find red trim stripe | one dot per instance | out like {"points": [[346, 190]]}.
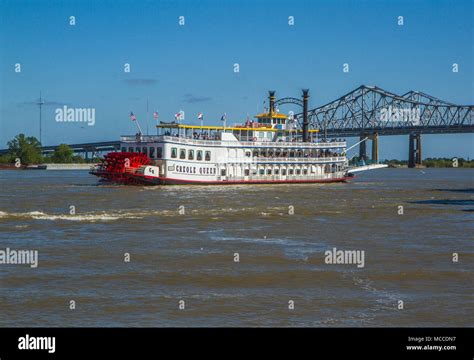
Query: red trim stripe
{"points": [[172, 181]]}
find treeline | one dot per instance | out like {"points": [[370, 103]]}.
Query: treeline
{"points": [[28, 150], [448, 162], [435, 162], [428, 162]]}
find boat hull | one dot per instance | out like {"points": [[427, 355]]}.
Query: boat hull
{"points": [[149, 180]]}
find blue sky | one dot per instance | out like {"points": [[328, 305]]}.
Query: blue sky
{"points": [[190, 67]]}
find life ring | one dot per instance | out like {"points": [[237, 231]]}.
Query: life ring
{"points": [[254, 139]]}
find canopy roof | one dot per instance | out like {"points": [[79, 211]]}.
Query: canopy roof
{"points": [[243, 128], [269, 115]]}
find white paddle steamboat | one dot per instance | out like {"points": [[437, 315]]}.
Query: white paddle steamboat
{"points": [[270, 150]]}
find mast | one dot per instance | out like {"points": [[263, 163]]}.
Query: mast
{"points": [[40, 103]]}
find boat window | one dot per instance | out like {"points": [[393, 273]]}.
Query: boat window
{"points": [[255, 153], [290, 171], [145, 150], [174, 153], [159, 152], [124, 149], [261, 172], [305, 171], [298, 171], [247, 172], [222, 172], [182, 154], [152, 152], [208, 156], [130, 149], [277, 171], [199, 155], [138, 149], [248, 153], [191, 155], [269, 171], [283, 171]]}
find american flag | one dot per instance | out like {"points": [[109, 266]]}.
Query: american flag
{"points": [[132, 116], [155, 114], [200, 116]]}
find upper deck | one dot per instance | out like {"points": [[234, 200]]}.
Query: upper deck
{"points": [[235, 137], [229, 143]]}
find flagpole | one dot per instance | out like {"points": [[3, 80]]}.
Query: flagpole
{"points": [[146, 116], [134, 118], [139, 128]]}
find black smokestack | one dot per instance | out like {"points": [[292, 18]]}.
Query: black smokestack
{"points": [[305, 115], [271, 98]]}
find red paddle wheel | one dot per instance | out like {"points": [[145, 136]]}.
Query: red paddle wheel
{"points": [[117, 166]]}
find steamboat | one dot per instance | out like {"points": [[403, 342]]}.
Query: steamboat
{"points": [[271, 149]]}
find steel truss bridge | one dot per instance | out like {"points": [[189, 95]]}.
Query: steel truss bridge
{"points": [[369, 111], [361, 111]]}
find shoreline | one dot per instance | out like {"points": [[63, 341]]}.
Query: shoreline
{"points": [[48, 166]]}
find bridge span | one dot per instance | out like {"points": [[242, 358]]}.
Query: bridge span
{"points": [[369, 111]]}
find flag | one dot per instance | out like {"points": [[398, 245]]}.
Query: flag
{"points": [[177, 116], [200, 116], [155, 115], [132, 116], [224, 117]]}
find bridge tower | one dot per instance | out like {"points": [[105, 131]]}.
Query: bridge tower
{"points": [[363, 148], [418, 149], [414, 150], [375, 148]]}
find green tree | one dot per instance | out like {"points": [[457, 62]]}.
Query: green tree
{"points": [[28, 149], [63, 154]]}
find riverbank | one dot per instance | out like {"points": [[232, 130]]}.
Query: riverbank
{"points": [[49, 166]]}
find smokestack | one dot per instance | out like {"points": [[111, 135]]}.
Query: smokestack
{"points": [[305, 115], [271, 97]]}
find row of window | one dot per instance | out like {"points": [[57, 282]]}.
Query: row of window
{"points": [[182, 154], [158, 151], [149, 151], [304, 171], [290, 171]]}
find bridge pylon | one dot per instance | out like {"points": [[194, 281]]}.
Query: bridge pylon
{"points": [[375, 148], [414, 150], [363, 148]]}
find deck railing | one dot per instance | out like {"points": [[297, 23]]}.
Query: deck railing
{"points": [[269, 144], [297, 160]]}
